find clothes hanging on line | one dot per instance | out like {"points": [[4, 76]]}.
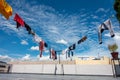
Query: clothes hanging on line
{"points": [[70, 53], [72, 47], [28, 28], [41, 47], [107, 25], [82, 40], [19, 21], [5, 9], [37, 38], [53, 54]]}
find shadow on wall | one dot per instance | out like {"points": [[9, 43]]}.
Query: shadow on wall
{"points": [[4, 67]]}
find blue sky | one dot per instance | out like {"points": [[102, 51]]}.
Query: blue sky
{"points": [[60, 23]]}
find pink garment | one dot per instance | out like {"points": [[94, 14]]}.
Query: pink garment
{"points": [[41, 47]]}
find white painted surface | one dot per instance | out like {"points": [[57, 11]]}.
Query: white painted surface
{"points": [[94, 69], [59, 69], [17, 68], [48, 69], [66, 69], [69, 69]]}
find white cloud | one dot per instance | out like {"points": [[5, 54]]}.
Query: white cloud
{"points": [[108, 34], [54, 29], [5, 58], [100, 9], [26, 57], [35, 48], [46, 50], [117, 36], [95, 17], [62, 57], [24, 42], [43, 57], [11, 28], [115, 39], [62, 41]]}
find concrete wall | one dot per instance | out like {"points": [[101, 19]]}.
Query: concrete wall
{"points": [[75, 67], [63, 69], [21, 68], [94, 69]]}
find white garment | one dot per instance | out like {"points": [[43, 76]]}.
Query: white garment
{"points": [[37, 38], [64, 51], [105, 26]]}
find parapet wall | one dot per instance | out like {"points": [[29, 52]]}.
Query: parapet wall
{"points": [[63, 69], [75, 67]]}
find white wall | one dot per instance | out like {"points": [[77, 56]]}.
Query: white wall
{"points": [[94, 69], [69, 69], [48, 69], [17, 68], [65, 69]]}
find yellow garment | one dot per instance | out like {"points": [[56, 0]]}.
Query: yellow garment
{"points": [[5, 9]]}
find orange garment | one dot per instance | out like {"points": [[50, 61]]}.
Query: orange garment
{"points": [[5, 9]]}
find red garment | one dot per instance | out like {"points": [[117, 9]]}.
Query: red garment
{"points": [[41, 47], [53, 53], [19, 20]]}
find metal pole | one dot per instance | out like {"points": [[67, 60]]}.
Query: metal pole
{"points": [[114, 67], [59, 57], [55, 69]]}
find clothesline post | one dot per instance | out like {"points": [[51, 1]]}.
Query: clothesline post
{"points": [[59, 55], [114, 68]]}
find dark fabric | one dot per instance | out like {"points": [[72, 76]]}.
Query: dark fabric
{"points": [[18, 25], [28, 28], [33, 33], [68, 53], [72, 54], [55, 55], [72, 47], [82, 40], [46, 45]]}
